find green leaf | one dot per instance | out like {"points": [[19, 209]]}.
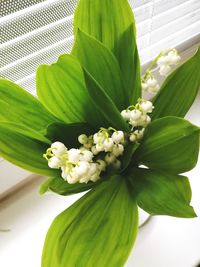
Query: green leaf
{"points": [[104, 104], [19, 106], [15, 127], [179, 90], [102, 66], [61, 187], [128, 154], [170, 144], [68, 133], [98, 230], [112, 23], [44, 187], [24, 151], [130, 64], [61, 89], [160, 193]]}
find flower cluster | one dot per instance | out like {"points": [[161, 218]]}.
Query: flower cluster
{"points": [[101, 150], [138, 118], [164, 62], [150, 84]]}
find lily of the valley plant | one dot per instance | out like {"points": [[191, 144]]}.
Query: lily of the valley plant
{"points": [[90, 129]]}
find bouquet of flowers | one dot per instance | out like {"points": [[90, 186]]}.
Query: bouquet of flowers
{"points": [[90, 129]]}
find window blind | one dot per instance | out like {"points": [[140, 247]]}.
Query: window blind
{"points": [[33, 32]]}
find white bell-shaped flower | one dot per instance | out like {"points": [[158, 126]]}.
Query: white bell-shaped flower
{"points": [[118, 137], [95, 177], [94, 150], [151, 82], [173, 57], [99, 147], [144, 87], [118, 150], [126, 114], [108, 144], [99, 137], [73, 177], [164, 70], [135, 114], [101, 165], [58, 148], [65, 172], [54, 162], [82, 168], [153, 90], [139, 134], [86, 155], [163, 60], [146, 106], [74, 155]]}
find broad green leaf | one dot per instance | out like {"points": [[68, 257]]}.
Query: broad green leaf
{"points": [[130, 64], [179, 90], [19, 106], [128, 154], [170, 144], [112, 23], [98, 230], [161, 193], [61, 89], [68, 133], [104, 104], [102, 66], [61, 187], [24, 151], [15, 127]]}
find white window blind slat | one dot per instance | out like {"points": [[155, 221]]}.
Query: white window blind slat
{"points": [[188, 35], [161, 6], [35, 17], [175, 26], [173, 14], [37, 39], [7, 8]]}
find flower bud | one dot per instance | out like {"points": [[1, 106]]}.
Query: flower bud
{"points": [[110, 158], [132, 137], [118, 150], [144, 86], [101, 165], [116, 164], [83, 139]]}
